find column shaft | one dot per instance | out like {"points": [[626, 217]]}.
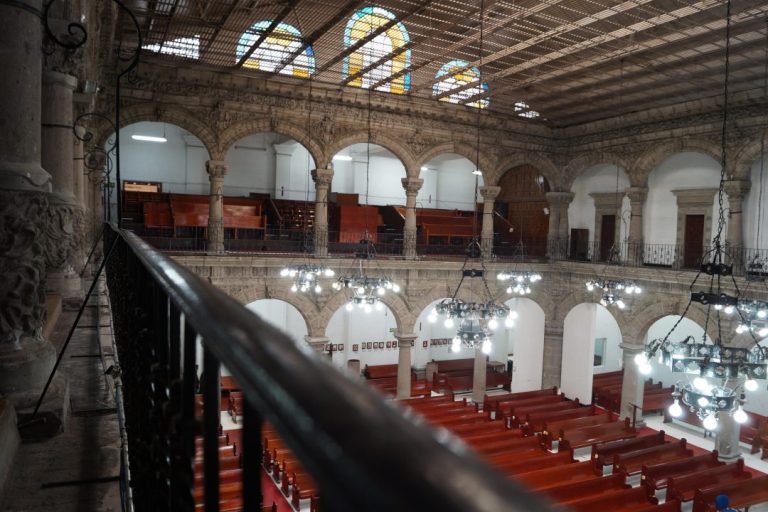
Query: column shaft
{"points": [[486, 239], [632, 386], [479, 377], [217, 169], [637, 196], [727, 438], [412, 187], [404, 364], [553, 356], [323, 179]]}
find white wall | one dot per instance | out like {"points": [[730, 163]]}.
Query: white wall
{"points": [[658, 330], [456, 184], [578, 352], [607, 327], [356, 327], [384, 173], [685, 170], [751, 212], [525, 344], [598, 178], [282, 315]]}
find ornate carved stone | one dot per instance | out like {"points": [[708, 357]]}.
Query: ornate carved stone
{"points": [[490, 193], [412, 185], [22, 264], [63, 235]]}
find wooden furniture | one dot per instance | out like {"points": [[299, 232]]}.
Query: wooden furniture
{"points": [[623, 500], [593, 487], [742, 494], [683, 487], [603, 454], [595, 434], [458, 375], [655, 476], [632, 462]]}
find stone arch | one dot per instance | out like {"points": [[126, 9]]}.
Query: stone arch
{"points": [[237, 131], [537, 295], [543, 164], [654, 156], [393, 301], [581, 163], [660, 305], [459, 148], [361, 136], [564, 306], [303, 304], [155, 112], [747, 154]]}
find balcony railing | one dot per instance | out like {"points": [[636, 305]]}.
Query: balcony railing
{"points": [[363, 453]]}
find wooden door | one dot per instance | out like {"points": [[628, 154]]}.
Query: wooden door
{"points": [[579, 249], [694, 241], [607, 236]]}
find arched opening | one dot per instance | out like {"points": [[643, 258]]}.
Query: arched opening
{"points": [[599, 215], [680, 215], [367, 337], [367, 199], [658, 330], [282, 315], [754, 215], [524, 345], [522, 211], [591, 344]]}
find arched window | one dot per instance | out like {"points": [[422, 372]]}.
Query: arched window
{"points": [[455, 74], [392, 40], [280, 44]]}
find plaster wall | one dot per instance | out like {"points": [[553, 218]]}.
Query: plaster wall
{"points": [[355, 327], [753, 211], [607, 327], [598, 178], [525, 344], [578, 352]]}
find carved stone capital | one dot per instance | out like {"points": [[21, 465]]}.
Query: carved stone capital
{"points": [[322, 177], [736, 190], [561, 199], [216, 169], [490, 192], [636, 194], [63, 236], [412, 185], [405, 340], [23, 218]]}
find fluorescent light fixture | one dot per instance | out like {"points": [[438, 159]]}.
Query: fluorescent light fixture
{"points": [[477, 172], [149, 138], [424, 168], [342, 158]]}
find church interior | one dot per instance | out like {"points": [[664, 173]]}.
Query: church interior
{"points": [[317, 255]]}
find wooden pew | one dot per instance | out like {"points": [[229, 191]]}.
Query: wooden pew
{"points": [[591, 488], [489, 401], [518, 412], [657, 399], [742, 494], [603, 454], [624, 500], [535, 422], [594, 434], [667, 506], [655, 476], [684, 487], [753, 431], [547, 477], [630, 463], [503, 408], [535, 463], [552, 429]]}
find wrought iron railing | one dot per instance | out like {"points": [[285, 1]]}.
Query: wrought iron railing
{"points": [[363, 453]]}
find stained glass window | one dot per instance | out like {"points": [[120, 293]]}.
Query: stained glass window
{"points": [[392, 41], [456, 74], [283, 42]]}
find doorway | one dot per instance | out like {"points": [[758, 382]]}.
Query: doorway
{"points": [[693, 246], [607, 236]]}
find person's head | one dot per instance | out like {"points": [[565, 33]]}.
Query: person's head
{"points": [[722, 502]]}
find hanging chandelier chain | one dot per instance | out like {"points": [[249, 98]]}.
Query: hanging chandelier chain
{"points": [[723, 149]]}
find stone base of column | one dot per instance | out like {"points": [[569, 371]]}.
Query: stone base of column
{"points": [[53, 415], [25, 366], [65, 282], [9, 441]]}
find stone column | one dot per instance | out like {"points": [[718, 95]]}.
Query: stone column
{"points": [[26, 358], [65, 223], [727, 438], [479, 377], [323, 179], [637, 196], [404, 364], [553, 356], [412, 187], [558, 223], [317, 343], [736, 190], [632, 386], [78, 169], [486, 238], [217, 169]]}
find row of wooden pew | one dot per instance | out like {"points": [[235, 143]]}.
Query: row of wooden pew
{"points": [[384, 378], [606, 392]]}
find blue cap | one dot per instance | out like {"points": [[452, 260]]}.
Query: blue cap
{"points": [[722, 502]]}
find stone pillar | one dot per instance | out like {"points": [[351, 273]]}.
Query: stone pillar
{"points": [[217, 169], [78, 169], [412, 187], [404, 342], [486, 238], [557, 237], [736, 190], [26, 358], [637, 196], [553, 356], [323, 179], [632, 386], [479, 377], [65, 225], [727, 438], [317, 343]]}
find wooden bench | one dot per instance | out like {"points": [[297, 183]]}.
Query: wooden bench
{"points": [[518, 413], [595, 434], [655, 476], [592, 488], [535, 463], [603, 454], [667, 506], [490, 401], [502, 409], [535, 422], [624, 500], [630, 463], [683, 487], [753, 431], [556, 475], [552, 429], [742, 494]]}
